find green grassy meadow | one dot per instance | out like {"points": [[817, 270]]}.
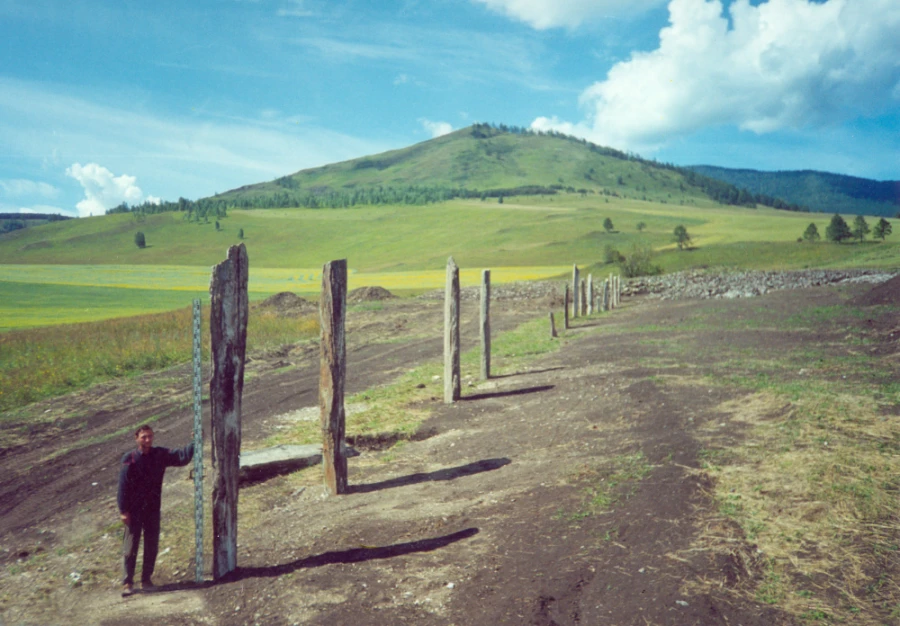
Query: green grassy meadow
{"points": [[86, 270], [90, 269]]}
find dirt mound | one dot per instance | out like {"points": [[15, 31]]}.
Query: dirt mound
{"points": [[887, 292], [369, 294], [287, 304]]}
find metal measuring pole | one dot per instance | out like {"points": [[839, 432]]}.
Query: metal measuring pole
{"points": [[198, 453]]}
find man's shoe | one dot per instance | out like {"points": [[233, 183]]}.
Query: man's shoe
{"points": [[127, 590], [148, 586]]}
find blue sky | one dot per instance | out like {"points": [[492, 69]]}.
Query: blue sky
{"points": [[103, 102]]}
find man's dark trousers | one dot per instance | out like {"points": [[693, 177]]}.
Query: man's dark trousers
{"points": [[148, 523]]}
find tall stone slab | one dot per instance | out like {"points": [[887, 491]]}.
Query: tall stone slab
{"points": [[452, 382], [228, 332], [332, 373]]}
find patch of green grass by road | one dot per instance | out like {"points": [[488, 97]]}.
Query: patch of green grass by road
{"points": [[813, 482], [607, 483], [394, 411]]}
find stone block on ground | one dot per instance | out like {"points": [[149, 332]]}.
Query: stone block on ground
{"points": [[283, 459]]}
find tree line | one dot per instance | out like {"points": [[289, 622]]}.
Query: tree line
{"points": [[838, 230], [717, 190]]}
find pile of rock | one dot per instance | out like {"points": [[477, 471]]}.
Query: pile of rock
{"points": [[742, 284], [522, 290], [687, 284]]}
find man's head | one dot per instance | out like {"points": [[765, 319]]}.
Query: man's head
{"points": [[143, 436]]}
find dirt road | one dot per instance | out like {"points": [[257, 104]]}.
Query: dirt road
{"points": [[568, 492]]}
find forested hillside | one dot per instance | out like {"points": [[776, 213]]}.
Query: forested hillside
{"points": [[820, 191]]}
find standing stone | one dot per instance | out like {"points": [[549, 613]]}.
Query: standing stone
{"points": [[606, 295], [452, 383], [332, 373], [590, 294], [612, 292], [228, 333], [485, 325], [583, 297], [566, 308], [553, 334], [575, 289]]}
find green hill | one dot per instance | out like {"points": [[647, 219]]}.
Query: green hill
{"points": [[820, 191], [484, 161]]}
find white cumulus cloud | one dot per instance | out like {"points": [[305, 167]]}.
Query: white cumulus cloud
{"points": [[102, 189], [543, 14], [780, 64], [436, 129]]}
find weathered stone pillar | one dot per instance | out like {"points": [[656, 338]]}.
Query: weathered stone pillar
{"points": [[590, 294], [228, 334], [332, 373], [606, 295], [485, 325], [566, 307], [553, 334], [583, 297], [452, 383], [612, 292], [575, 290]]}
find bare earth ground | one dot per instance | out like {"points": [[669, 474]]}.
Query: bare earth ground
{"points": [[483, 519]]}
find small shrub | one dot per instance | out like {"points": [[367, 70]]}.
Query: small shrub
{"points": [[639, 262], [612, 255], [139, 240]]}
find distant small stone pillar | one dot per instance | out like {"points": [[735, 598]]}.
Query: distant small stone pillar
{"points": [[576, 287], [452, 383], [553, 334], [612, 292], [485, 325], [583, 297], [590, 294], [566, 308], [606, 295]]}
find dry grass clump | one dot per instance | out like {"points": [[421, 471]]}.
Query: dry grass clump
{"points": [[814, 485]]}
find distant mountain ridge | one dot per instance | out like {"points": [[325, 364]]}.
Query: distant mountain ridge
{"points": [[820, 191]]}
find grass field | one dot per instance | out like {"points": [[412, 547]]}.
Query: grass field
{"points": [[42, 295], [528, 232], [87, 270]]}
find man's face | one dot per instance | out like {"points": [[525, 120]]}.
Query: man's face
{"points": [[144, 440]]}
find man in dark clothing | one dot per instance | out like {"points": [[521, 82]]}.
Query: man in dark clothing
{"points": [[140, 497]]}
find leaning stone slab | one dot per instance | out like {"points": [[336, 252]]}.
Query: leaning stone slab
{"points": [[283, 459]]}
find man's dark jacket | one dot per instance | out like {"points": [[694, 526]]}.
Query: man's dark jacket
{"points": [[141, 478]]}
